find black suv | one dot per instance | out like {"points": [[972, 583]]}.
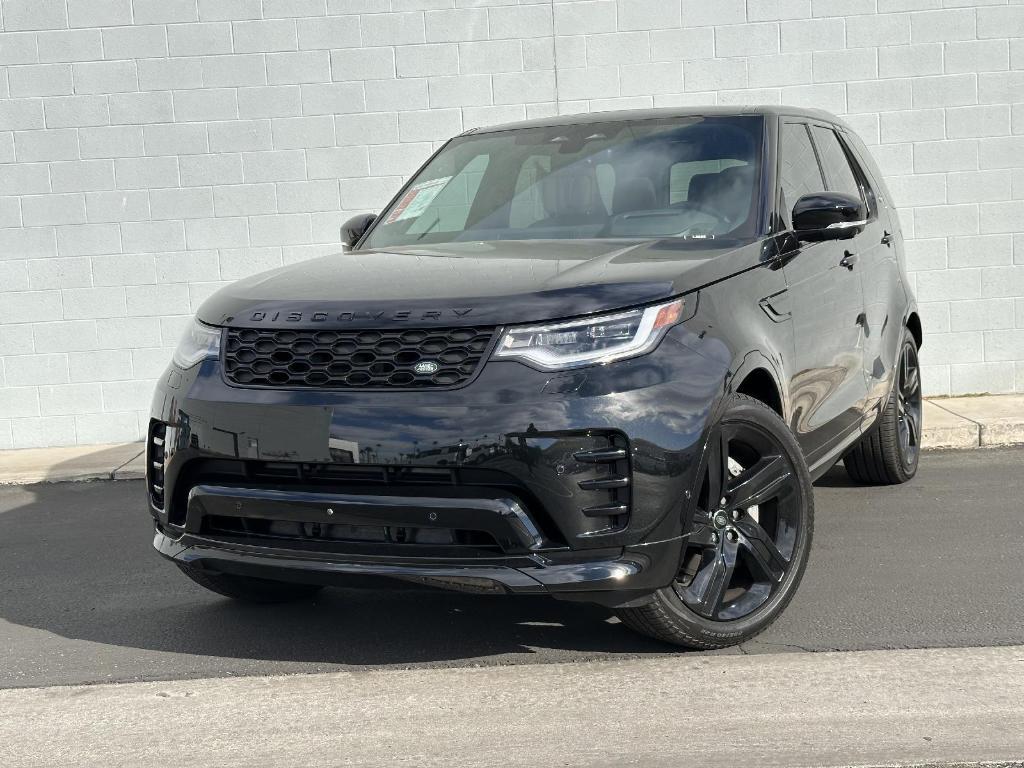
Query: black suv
{"points": [[598, 357]]}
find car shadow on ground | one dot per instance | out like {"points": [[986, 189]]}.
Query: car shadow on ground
{"points": [[76, 561], [82, 592], [836, 477]]}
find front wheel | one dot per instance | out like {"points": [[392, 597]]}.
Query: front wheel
{"points": [[749, 540]]}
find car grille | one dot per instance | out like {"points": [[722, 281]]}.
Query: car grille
{"points": [[408, 359]]}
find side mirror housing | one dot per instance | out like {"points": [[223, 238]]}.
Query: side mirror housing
{"points": [[828, 216], [353, 229]]}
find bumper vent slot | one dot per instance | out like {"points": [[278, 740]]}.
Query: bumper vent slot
{"points": [[395, 359], [604, 483], [607, 510], [155, 462], [253, 530], [613, 460]]}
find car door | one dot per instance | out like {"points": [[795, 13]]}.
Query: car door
{"points": [[872, 251], [879, 274], [826, 380]]}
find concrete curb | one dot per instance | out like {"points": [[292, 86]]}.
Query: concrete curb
{"points": [[80, 462], [943, 429], [999, 418], [956, 422]]}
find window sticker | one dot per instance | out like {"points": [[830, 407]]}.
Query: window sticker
{"points": [[416, 200]]}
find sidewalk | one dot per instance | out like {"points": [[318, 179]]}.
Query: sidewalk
{"points": [[957, 422], [894, 707]]}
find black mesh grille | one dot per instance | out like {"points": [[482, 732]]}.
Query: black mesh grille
{"points": [[349, 359]]}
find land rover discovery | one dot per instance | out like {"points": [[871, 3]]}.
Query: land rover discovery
{"points": [[598, 357]]}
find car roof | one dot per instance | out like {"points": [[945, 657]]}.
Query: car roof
{"points": [[634, 115]]}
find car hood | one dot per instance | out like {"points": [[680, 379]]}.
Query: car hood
{"points": [[491, 283]]}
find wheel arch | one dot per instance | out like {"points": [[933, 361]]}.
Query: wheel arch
{"points": [[914, 326], [760, 385], [756, 377]]}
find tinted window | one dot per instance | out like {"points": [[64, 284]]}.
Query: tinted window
{"points": [[868, 172], [450, 202], [526, 206], [687, 177], [681, 174], [799, 173], [837, 167]]}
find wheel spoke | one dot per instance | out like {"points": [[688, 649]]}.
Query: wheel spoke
{"points": [[717, 466], [913, 427], [912, 382], [765, 556], [710, 584], [759, 483], [903, 428]]}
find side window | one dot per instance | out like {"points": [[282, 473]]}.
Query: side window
{"points": [[860, 159], [841, 177], [799, 173]]}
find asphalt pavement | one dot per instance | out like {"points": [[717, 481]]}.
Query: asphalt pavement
{"points": [[83, 599]]}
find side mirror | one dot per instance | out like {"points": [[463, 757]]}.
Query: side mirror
{"points": [[353, 229], [828, 216]]}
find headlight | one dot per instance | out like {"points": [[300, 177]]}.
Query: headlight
{"points": [[592, 341], [198, 343]]}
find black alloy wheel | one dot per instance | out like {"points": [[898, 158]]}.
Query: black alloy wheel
{"points": [[749, 537], [909, 405], [745, 525], [889, 452]]}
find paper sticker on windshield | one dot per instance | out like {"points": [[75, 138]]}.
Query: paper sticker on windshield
{"points": [[416, 200]]}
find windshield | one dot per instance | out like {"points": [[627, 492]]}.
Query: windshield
{"points": [[686, 177]]}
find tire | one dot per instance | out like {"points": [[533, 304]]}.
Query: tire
{"points": [[772, 536], [890, 452], [249, 589]]}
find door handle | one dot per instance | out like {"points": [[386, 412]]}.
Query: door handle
{"points": [[887, 238], [849, 259]]}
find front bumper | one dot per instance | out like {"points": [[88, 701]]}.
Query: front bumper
{"points": [[538, 568], [612, 579], [522, 481]]}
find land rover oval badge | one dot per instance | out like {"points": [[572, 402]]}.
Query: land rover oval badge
{"points": [[426, 366]]}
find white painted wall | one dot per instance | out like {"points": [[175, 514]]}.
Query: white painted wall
{"points": [[152, 150]]}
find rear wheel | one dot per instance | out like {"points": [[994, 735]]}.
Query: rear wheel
{"points": [[247, 588], [749, 540], [889, 453]]}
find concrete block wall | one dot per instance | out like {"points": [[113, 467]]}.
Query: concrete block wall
{"points": [[153, 150]]}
